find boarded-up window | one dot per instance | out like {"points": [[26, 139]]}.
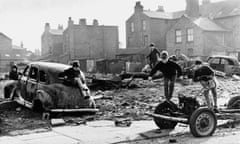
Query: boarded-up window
{"points": [[178, 36], [190, 35]]}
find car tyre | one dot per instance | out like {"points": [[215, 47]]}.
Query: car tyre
{"points": [[203, 122], [165, 108]]}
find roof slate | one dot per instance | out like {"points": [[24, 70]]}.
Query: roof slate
{"points": [[208, 25], [56, 31], [213, 10], [5, 35]]}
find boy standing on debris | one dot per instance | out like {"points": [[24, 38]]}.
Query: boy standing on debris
{"points": [[153, 56], [206, 76], [170, 71]]}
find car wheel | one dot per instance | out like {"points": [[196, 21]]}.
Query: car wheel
{"points": [[165, 108], [203, 122], [234, 103]]}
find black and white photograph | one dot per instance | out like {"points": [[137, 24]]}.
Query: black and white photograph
{"points": [[119, 71]]}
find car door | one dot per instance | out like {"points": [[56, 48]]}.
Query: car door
{"points": [[32, 83], [215, 63], [23, 81], [228, 65]]}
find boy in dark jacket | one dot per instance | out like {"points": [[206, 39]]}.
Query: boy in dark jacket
{"points": [[205, 75], [153, 56], [13, 74], [170, 71]]}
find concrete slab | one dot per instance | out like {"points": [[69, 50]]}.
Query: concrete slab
{"points": [[10, 140], [36, 136], [103, 132], [59, 139]]}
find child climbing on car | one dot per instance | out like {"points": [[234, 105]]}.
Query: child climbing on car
{"points": [[206, 76]]}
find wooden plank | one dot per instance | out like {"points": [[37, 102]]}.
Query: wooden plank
{"points": [[224, 116], [229, 110], [75, 110], [176, 119]]}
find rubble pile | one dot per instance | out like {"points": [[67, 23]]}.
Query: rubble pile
{"points": [[133, 103]]}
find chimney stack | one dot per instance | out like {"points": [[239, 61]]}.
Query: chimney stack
{"points": [[160, 9], [138, 7], [95, 22], [82, 21], [192, 8], [70, 21], [60, 27], [47, 27]]}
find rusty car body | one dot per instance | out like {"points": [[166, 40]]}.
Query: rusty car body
{"points": [[226, 64], [40, 88]]}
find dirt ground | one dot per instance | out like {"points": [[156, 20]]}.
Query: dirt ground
{"points": [[121, 103]]}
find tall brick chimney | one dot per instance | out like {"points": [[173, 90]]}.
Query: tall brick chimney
{"points": [[138, 7], [192, 8], [47, 27]]}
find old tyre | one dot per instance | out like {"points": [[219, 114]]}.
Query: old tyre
{"points": [[234, 103], [165, 108], [203, 122]]}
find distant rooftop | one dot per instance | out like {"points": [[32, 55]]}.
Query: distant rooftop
{"points": [[56, 31], [212, 10], [208, 25]]}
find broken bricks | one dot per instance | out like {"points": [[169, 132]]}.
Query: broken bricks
{"points": [[123, 122]]}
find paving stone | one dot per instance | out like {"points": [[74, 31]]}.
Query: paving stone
{"points": [[10, 140]]}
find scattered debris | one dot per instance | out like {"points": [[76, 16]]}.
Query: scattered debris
{"points": [[57, 122], [236, 78], [45, 116], [172, 140], [18, 109], [123, 122]]}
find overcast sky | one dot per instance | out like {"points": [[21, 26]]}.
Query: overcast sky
{"points": [[24, 20]]}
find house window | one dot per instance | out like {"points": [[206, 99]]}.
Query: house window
{"points": [[190, 52], [145, 40], [178, 35], [144, 24], [132, 27], [190, 35]]}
